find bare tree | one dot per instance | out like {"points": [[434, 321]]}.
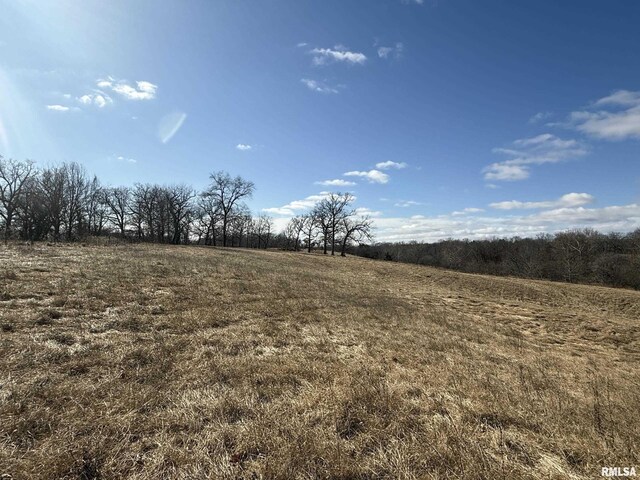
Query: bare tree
{"points": [[356, 230], [96, 208], [331, 211], [76, 185], [238, 224], [145, 199], [207, 216], [179, 206], [52, 183], [14, 175], [32, 211], [294, 230], [321, 215], [310, 227], [263, 226], [227, 192], [118, 200]]}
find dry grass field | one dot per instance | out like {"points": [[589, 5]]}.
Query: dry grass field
{"points": [[152, 362]]}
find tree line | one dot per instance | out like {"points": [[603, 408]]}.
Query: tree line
{"points": [[65, 203], [579, 256]]}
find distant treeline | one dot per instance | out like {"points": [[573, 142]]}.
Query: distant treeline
{"points": [[583, 256], [65, 203]]}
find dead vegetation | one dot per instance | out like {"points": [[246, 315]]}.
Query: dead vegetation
{"points": [[151, 362]]}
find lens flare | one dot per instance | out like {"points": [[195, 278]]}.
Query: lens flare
{"points": [[169, 125]]}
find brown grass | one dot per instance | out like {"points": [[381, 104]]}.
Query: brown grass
{"points": [[151, 362]]}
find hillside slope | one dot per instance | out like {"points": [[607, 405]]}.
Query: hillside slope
{"points": [[185, 362]]}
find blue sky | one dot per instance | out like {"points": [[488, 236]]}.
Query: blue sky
{"points": [[447, 118]]}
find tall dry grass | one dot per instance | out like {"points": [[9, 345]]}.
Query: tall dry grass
{"points": [[151, 362]]}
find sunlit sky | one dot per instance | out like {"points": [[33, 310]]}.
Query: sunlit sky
{"points": [[445, 118]]}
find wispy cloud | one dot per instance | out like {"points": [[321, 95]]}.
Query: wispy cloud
{"points": [[620, 97], [544, 148], [243, 147], [407, 203], [565, 201], [467, 211], [58, 108], [614, 117], [391, 52], [141, 90], [338, 182], [422, 228], [120, 158], [389, 165], [506, 172], [372, 176], [539, 117], [317, 86], [296, 206], [302, 44], [339, 53], [364, 211]]}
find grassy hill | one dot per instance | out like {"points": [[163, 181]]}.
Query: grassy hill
{"points": [[182, 362]]}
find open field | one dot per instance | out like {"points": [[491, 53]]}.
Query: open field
{"points": [[153, 362]]}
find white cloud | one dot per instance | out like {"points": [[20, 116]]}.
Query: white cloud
{"points": [[58, 108], [421, 228], [407, 203], [302, 44], [389, 164], [383, 52], [544, 148], [621, 218], [100, 100], [567, 200], [243, 147], [391, 52], [618, 118], [142, 90], [503, 172], [373, 176], [368, 212], [322, 56], [298, 205], [466, 211], [621, 97], [338, 182], [106, 83], [319, 87], [540, 116]]}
